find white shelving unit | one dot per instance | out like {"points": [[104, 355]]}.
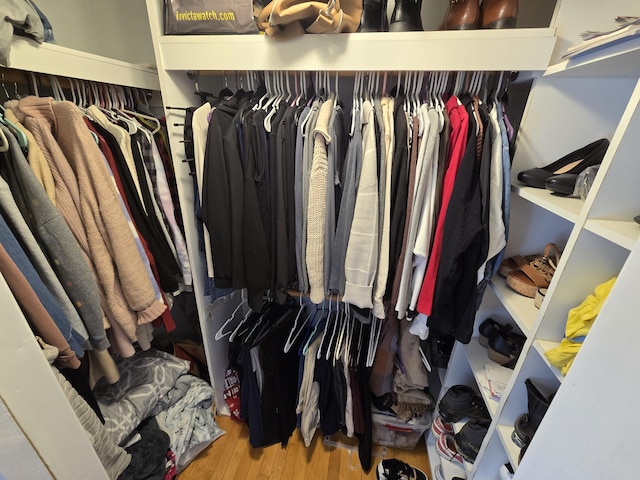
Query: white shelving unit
{"points": [[521, 49], [570, 104], [52, 59]]}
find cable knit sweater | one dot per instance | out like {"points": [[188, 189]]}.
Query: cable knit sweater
{"points": [[317, 209]]}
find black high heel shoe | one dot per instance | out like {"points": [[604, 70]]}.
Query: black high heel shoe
{"points": [[572, 163]]}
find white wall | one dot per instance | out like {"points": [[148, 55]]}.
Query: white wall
{"points": [[113, 28]]}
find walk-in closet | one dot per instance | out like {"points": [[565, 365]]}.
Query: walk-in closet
{"points": [[375, 254]]}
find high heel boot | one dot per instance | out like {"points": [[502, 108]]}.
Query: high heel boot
{"points": [[526, 424], [499, 13], [462, 15], [406, 16], [374, 16]]}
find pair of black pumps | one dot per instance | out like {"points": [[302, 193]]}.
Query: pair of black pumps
{"points": [[560, 176]]}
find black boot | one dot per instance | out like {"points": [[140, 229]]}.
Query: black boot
{"points": [[406, 16], [526, 424], [374, 16]]}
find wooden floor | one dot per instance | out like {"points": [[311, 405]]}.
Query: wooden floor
{"points": [[231, 457]]}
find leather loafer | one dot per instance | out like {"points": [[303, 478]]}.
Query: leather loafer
{"points": [[574, 163]]}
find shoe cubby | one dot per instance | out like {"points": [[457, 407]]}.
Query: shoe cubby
{"points": [[535, 368], [592, 261], [616, 201], [493, 456], [526, 239]]}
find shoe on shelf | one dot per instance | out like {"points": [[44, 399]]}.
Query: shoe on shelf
{"points": [[504, 348], [574, 162], [527, 279], [394, 469], [446, 448], [469, 439], [526, 424], [374, 16], [439, 474], [406, 16], [438, 427], [506, 472], [636, 219], [499, 13], [539, 298], [461, 401], [488, 328], [515, 262], [462, 15]]}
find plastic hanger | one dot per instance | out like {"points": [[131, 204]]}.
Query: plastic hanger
{"points": [[219, 334], [4, 142], [298, 330]]}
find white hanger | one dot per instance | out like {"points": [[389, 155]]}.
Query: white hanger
{"points": [[219, 334], [324, 333], [4, 142], [290, 341]]}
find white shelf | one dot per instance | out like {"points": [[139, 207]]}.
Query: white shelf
{"points": [[513, 451], [543, 346], [619, 60], [565, 207], [620, 232], [521, 308], [527, 49], [52, 59], [478, 357]]}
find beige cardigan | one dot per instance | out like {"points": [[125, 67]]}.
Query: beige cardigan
{"points": [[94, 213]]}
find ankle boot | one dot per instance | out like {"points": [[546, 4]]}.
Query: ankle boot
{"points": [[499, 13], [526, 424], [374, 16], [462, 15], [406, 16]]}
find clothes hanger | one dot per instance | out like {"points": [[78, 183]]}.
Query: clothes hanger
{"points": [[4, 142], [219, 334], [290, 341], [17, 132]]}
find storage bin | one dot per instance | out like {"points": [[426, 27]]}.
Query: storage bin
{"points": [[389, 431]]}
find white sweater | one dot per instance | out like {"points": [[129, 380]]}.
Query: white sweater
{"points": [[317, 206]]}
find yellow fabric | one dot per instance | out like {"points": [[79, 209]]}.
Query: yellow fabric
{"points": [[579, 322]]}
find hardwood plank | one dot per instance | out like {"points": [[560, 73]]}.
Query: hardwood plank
{"points": [[232, 457]]}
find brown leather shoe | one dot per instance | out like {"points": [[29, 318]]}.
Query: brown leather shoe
{"points": [[462, 15], [499, 13]]}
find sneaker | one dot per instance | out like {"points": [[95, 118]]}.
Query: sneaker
{"points": [[439, 473], [438, 427], [446, 448], [394, 469]]}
